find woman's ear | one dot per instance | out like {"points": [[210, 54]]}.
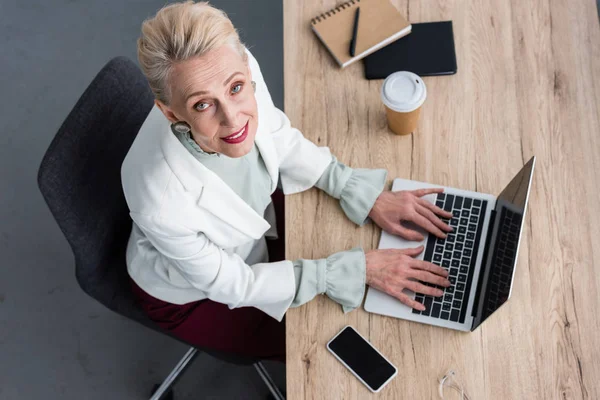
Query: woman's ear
{"points": [[166, 110]]}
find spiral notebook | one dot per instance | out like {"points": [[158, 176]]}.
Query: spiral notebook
{"points": [[380, 24]]}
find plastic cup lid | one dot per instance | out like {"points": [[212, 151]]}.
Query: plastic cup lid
{"points": [[403, 91]]}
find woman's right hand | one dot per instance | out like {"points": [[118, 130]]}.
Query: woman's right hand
{"points": [[392, 270]]}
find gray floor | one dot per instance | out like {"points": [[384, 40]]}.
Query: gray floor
{"points": [[55, 342]]}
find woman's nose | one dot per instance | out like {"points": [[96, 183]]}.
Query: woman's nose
{"points": [[229, 116]]}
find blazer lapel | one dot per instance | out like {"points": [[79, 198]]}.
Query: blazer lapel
{"points": [[266, 147], [213, 194], [264, 141]]}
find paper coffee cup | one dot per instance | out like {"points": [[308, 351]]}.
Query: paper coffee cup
{"points": [[403, 93]]}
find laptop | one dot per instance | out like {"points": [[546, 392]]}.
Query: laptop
{"points": [[480, 255]]}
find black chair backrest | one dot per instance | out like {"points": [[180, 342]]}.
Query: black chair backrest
{"points": [[80, 180]]}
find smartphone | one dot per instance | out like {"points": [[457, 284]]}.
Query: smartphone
{"points": [[362, 359]]}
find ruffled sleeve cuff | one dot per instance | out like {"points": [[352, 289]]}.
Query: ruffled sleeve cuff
{"points": [[360, 192], [346, 278], [341, 276]]}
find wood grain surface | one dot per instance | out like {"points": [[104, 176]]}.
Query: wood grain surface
{"points": [[528, 83]]}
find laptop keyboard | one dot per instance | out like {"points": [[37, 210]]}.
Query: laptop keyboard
{"points": [[457, 255]]}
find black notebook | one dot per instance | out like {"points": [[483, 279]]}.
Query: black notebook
{"points": [[428, 50]]}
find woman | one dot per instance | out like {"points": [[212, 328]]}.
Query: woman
{"points": [[198, 180]]}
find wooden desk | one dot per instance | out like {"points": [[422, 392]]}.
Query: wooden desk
{"points": [[528, 83]]}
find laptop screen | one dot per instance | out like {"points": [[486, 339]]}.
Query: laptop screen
{"points": [[503, 244]]}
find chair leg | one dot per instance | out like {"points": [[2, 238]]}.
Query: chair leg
{"points": [[175, 373], [264, 374]]}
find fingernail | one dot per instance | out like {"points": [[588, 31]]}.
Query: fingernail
{"points": [[439, 293], [448, 283]]}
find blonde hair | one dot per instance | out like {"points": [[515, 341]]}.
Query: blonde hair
{"points": [[179, 32]]}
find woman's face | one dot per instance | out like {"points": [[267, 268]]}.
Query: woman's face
{"points": [[214, 95]]}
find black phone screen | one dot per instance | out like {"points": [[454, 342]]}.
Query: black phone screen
{"points": [[362, 358]]}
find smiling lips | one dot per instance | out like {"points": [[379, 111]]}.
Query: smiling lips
{"points": [[237, 137]]}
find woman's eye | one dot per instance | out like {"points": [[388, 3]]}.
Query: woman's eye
{"points": [[201, 106], [236, 88]]}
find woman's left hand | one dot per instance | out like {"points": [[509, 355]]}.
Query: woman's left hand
{"points": [[392, 208]]}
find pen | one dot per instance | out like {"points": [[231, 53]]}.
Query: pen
{"points": [[354, 32]]}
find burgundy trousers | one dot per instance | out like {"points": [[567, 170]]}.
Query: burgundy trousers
{"points": [[245, 331]]}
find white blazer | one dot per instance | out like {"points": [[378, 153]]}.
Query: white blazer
{"points": [[185, 216]]}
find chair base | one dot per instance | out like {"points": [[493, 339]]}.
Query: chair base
{"points": [[162, 392], [168, 395], [264, 374], [165, 391]]}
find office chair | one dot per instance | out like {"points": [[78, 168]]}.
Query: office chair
{"points": [[80, 179]]}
